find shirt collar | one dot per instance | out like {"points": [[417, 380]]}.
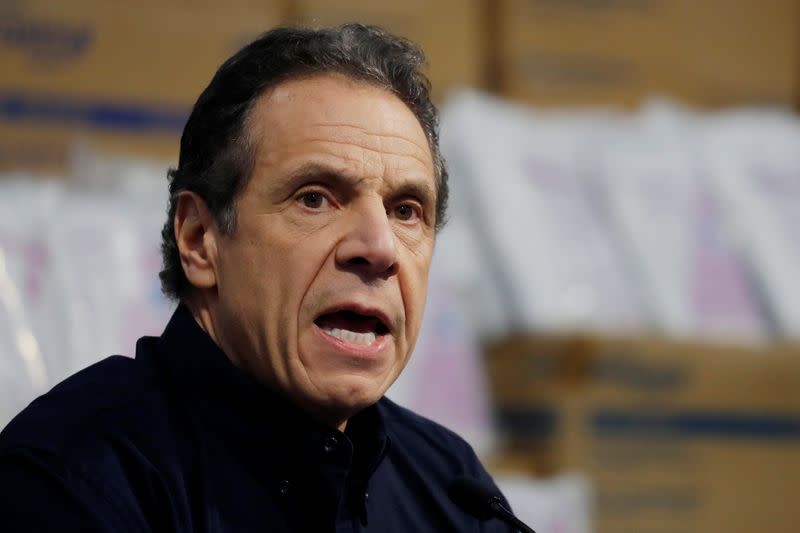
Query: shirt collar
{"points": [[250, 415]]}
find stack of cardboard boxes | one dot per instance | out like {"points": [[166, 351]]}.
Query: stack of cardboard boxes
{"points": [[674, 436], [121, 77], [124, 76], [451, 32], [618, 52]]}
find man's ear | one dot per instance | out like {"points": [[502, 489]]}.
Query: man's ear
{"points": [[196, 236]]}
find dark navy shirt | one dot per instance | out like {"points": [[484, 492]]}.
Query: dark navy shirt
{"points": [[179, 439]]}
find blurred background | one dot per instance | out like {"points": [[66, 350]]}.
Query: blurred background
{"points": [[613, 320]]}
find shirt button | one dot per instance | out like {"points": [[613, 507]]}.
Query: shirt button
{"points": [[283, 487], [330, 443], [366, 496]]}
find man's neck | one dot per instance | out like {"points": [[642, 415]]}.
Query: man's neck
{"points": [[201, 312]]}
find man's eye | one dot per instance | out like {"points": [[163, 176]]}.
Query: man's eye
{"points": [[405, 212], [312, 200]]}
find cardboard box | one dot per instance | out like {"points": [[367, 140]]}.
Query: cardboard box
{"points": [[451, 32], [742, 52], [115, 74], [711, 53], [673, 436]]}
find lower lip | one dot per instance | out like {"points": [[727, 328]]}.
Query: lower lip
{"points": [[367, 351]]}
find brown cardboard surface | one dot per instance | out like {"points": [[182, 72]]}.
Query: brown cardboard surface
{"points": [[746, 51], [451, 32], [674, 436], [118, 73], [711, 53], [50, 150], [581, 53], [148, 52]]}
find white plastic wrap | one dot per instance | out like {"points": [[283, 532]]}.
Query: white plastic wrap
{"points": [[554, 261], [29, 336], [691, 273], [107, 260], [754, 160], [83, 269]]}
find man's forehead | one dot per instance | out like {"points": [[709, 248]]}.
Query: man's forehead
{"points": [[344, 124], [334, 104]]}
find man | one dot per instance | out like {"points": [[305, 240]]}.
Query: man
{"points": [[301, 227]]}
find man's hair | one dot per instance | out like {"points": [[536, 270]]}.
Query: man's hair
{"points": [[217, 152]]}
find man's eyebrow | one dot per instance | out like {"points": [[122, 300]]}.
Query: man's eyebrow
{"points": [[421, 191], [321, 172], [311, 172], [327, 174]]}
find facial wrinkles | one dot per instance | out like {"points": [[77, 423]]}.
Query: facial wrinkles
{"points": [[254, 215], [331, 119], [364, 151], [377, 169], [246, 324], [381, 168], [378, 153], [317, 301], [282, 339], [376, 141], [377, 175], [366, 165]]}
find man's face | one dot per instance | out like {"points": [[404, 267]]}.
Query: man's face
{"points": [[321, 289]]}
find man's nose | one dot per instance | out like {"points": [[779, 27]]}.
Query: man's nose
{"points": [[369, 246]]}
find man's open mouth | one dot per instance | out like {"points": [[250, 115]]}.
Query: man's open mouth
{"points": [[353, 327]]}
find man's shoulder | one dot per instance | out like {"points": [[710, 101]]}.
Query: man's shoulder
{"points": [[399, 418], [428, 457], [113, 399], [415, 434], [101, 445]]}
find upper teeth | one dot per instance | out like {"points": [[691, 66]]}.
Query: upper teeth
{"points": [[351, 336]]}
